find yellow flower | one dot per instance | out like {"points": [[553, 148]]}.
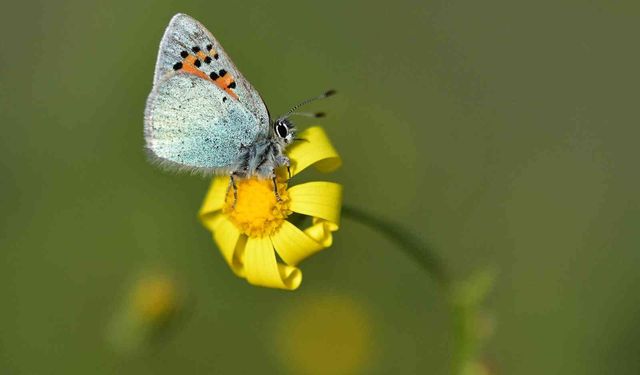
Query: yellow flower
{"points": [[251, 232], [153, 300], [325, 334]]}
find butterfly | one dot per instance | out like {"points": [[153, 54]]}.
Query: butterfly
{"points": [[203, 116]]}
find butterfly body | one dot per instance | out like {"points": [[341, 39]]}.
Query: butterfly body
{"points": [[203, 116]]}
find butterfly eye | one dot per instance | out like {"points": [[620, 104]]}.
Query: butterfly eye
{"points": [[282, 130]]}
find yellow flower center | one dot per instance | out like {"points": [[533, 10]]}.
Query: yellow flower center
{"points": [[257, 212]]}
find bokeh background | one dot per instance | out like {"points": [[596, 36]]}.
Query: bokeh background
{"points": [[502, 133]]}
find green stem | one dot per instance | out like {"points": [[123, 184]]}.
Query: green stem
{"points": [[407, 241], [416, 249]]}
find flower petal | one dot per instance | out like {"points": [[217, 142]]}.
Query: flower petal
{"points": [[318, 199], [293, 245], [315, 149], [321, 231], [262, 268], [229, 241], [214, 200]]}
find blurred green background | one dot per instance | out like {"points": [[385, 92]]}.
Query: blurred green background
{"points": [[503, 133]]}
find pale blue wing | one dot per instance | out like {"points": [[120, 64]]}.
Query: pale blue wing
{"points": [[191, 124], [186, 35]]}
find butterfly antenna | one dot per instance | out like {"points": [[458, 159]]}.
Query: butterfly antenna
{"points": [[319, 114], [308, 114]]}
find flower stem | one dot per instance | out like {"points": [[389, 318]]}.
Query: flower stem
{"points": [[463, 310], [407, 241]]}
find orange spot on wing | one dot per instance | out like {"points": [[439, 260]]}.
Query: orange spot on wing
{"points": [[231, 93], [191, 69], [226, 80], [187, 66], [227, 90], [221, 82]]}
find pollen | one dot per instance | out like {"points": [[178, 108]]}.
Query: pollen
{"points": [[257, 212]]}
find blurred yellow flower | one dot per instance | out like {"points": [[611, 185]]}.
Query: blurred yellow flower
{"points": [[325, 334], [153, 300], [250, 232]]}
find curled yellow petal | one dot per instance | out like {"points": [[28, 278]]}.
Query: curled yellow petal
{"points": [[321, 231], [315, 149], [262, 268], [318, 199], [229, 241], [294, 245], [214, 200]]}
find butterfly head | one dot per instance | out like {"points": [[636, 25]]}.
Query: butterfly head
{"points": [[284, 132]]}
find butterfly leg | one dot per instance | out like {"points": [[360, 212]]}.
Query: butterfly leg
{"points": [[288, 164], [275, 188], [232, 184], [283, 160]]}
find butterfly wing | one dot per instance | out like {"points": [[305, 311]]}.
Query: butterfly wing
{"points": [[188, 46], [191, 124]]}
